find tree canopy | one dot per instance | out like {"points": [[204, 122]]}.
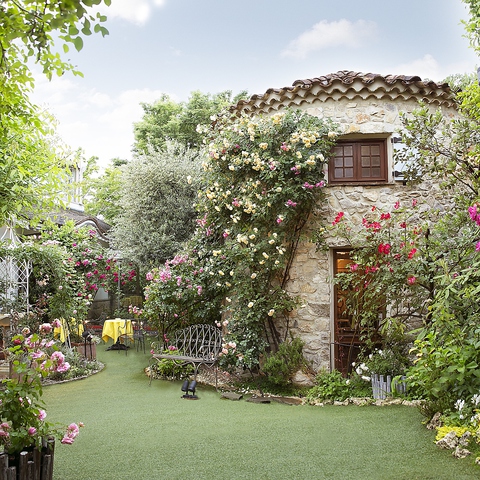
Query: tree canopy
{"points": [[157, 193], [166, 119], [32, 168]]}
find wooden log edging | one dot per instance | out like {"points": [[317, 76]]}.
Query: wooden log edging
{"points": [[35, 464]]}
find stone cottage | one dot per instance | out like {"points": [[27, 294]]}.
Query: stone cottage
{"points": [[368, 108]]}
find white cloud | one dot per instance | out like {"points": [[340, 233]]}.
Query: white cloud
{"points": [[331, 34], [96, 121], [429, 68], [138, 11], [425, 67]]}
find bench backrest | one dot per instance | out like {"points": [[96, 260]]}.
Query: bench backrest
{"points": [[198, 341]]}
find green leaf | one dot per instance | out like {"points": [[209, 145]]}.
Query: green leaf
{"points": [[78, 42]]}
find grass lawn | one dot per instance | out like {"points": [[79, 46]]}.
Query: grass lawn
{"points": [[133, 431]]}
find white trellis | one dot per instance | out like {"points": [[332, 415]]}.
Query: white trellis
{"points": [[14, 275]]}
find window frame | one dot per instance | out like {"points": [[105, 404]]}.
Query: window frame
{"points": [[357, 178]]}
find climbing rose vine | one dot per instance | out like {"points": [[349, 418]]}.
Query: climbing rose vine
{"points": [[263, 177]]}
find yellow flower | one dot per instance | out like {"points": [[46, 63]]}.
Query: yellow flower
{"points": [[263, 146]]}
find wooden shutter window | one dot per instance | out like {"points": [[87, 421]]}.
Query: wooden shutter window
{"points": [[358, 162]]}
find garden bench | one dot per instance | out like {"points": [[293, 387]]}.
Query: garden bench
{"points": [[195, 345]]}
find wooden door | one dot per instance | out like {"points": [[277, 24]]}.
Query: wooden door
{"points": [[347, 342]]}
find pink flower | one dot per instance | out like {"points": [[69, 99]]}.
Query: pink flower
{"points": [[384, 248], [45, 328], [64, 367], [42, 414], [396, 206], [411, 280], [338, 218], [32, 431], [73, 430], [412, 252], [66, 440], [477, 247], [353, 267], [414, 202], [290, 203]]}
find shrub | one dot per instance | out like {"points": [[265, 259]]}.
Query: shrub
{"points": [[171, 369], [330, 386], [333, 386], [281, 365]]}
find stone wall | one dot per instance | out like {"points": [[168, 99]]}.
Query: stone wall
{"points": [[312, 270]]}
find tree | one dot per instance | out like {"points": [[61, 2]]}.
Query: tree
{"points": [[166, 120], [101, 194], [472, 25], [31, 171], [157, 193]]}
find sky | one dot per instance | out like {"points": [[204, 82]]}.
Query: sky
{"points": [[175, 47]]}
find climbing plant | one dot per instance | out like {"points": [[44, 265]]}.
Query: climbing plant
{"points": [[263, 177]]}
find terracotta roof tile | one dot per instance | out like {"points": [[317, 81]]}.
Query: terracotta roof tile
{"points": [[347, 84]]}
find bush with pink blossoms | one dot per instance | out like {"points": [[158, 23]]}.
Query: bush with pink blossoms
{"points": [[22, 414]]}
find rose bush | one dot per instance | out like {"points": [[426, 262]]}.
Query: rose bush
{"points": [[22, 415]]}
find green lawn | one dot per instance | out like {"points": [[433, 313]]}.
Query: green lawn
{"points": [[138, 432]]}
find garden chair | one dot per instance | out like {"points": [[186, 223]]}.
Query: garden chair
{"points": [[135, 336]]}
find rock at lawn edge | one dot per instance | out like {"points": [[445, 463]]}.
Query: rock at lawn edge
{"points": [[232, 396], [461, 452], [301, 379], [449, 441]]}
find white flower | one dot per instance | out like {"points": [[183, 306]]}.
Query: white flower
{"points": [[250, 305], [253, 275], [271, 312], [459, 404]]}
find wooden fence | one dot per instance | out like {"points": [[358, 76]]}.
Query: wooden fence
{"points": [[35, 464]]}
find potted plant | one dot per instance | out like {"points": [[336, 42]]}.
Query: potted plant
{"points": [[24, 431]]}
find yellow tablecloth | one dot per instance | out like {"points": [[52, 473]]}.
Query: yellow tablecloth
{"points": [[63, 331], [113, 328]]}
